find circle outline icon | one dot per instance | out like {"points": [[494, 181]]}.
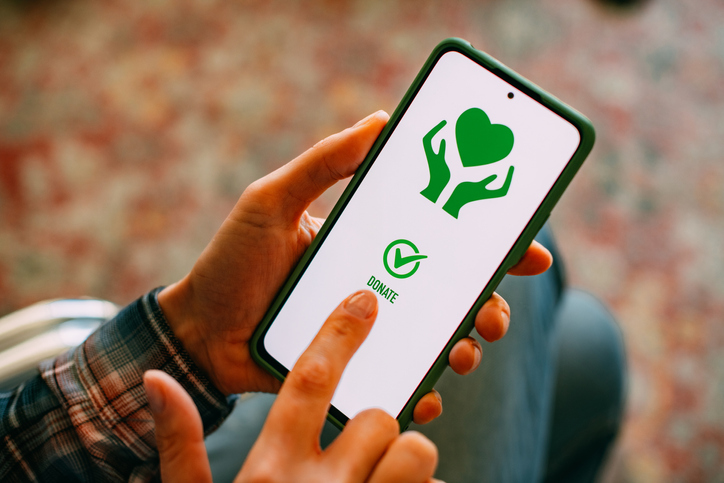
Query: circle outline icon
{"points": [[401, 241]]}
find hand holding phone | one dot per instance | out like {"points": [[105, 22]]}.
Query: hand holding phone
{"points": [[215, 309], [369, 449], [447, 201]]}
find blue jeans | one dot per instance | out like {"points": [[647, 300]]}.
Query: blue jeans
{"points": [[545, 404]]}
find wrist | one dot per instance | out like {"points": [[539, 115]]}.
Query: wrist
{"points": [[175, 302]]}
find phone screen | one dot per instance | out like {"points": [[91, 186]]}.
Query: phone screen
{"points": [[448, 195]]}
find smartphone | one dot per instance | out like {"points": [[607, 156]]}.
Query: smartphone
{"points": [[450, 196]]}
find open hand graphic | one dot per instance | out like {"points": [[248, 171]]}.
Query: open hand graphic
{"points": [[479, 143]]}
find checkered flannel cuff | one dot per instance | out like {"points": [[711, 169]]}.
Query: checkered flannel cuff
{"points": [[101, 381]]}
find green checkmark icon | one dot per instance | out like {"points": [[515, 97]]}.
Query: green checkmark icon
{"points": [[401, 261]]}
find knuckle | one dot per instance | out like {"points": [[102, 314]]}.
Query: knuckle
{"points": [[334, 172], [313, 375], [323, 143], [341, 328], [259, 202], [267, 472], [255, 189]]}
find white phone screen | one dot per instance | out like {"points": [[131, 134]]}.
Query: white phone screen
{"points": [[425, 241]]}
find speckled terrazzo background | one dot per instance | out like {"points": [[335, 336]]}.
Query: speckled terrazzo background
{"points": [[128, 129]]}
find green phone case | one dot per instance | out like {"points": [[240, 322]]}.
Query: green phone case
{"points": [[587, 134]]}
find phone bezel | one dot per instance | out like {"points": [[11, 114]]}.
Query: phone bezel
{"points": [[587, 138]]}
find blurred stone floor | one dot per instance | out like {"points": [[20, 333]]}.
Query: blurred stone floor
{"points": [[128, 130]]}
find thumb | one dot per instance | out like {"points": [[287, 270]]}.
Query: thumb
{"points": [[179, 431], [296, 184]]}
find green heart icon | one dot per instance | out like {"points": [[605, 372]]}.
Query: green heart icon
{"points": [[479, 141]]}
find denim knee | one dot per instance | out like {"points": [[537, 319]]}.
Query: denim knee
{"points": [[590, 385]]}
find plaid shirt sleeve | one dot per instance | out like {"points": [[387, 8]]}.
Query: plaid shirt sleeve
{"points": [[86, 416]]}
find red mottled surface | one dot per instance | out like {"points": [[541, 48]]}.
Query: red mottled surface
{"points": [[128, 130]]}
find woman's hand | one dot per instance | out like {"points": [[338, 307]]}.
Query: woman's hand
{"points": [[216, 307], [369, 449]]}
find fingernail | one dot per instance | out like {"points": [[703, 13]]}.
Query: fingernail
{"points": [[156, 398], [362, 121], [361, 304], [478, 357], [506, 319]]}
